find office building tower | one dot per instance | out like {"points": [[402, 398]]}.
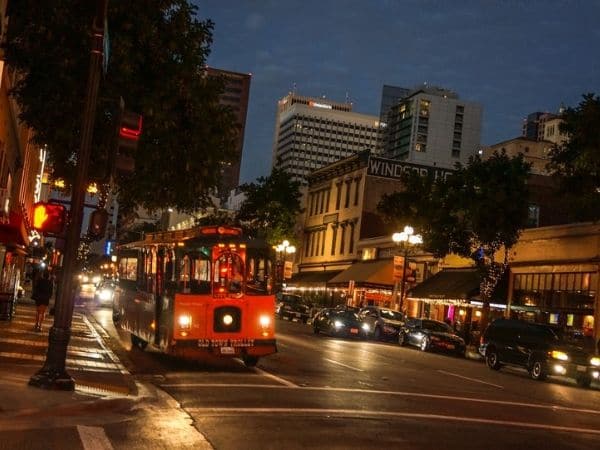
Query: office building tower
{"points": [[433, 127], [313, 132], [236, 96], [390, 96]]}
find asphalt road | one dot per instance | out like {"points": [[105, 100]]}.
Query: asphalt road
{"points": [[322, 392]]}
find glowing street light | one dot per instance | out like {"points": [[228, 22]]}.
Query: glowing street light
{"points": [[406, 239]]}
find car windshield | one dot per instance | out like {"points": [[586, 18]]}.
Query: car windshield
{"points": [[436, 326], [391, 315], [348, 315]]}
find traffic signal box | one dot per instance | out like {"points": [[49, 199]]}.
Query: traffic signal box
{"points": [[49, 218], [98, 222], [130, 130]]}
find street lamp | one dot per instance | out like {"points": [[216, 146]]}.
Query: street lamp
{"points": [[283, 249], [406, 239]]}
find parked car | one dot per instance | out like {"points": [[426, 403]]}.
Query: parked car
{"points": [[431, 335], [382, 323], [339, 322], [292, 307], [105, 292], [537, 348]]}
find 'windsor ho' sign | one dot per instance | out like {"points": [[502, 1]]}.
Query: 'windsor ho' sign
{"points": [[391, 168]]}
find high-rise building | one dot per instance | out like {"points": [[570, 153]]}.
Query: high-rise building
{"points": [[236, 96], [433, 127], [313, 132], [390, 95]]}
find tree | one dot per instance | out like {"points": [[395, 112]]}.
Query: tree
{"points": [[576, 162], [158, 51], [479, 209], [271, 207]]}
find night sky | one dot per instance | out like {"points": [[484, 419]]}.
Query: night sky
{"points": [[514, 57]]}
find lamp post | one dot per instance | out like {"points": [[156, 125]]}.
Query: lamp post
{"points": [[407, 240], [283, 249]]}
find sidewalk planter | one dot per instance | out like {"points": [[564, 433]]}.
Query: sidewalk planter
{"points": [[8, 305]]}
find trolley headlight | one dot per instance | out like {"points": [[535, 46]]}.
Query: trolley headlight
{"points": [[557, 354], [595, 361], [227, 319], [264, 321], [105, 294], [185, 321]]}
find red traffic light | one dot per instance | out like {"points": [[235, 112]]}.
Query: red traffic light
{"points": [[49, 218], [131, 126]]}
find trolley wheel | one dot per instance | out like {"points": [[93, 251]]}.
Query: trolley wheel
{"points": [[249, 360], [138, 342]]}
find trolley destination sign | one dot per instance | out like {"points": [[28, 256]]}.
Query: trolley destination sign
{"points": [[391, 168]]}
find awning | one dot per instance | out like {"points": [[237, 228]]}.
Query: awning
{"points": [[317, 277], [376, 274], [448, 284]]}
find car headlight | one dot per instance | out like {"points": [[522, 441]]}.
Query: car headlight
{"points": [[595, 361], [185, 321], [557, 354], [96, 279], [338, 324], [264, 321], [85, 279], [366, 327], [105, 294]]}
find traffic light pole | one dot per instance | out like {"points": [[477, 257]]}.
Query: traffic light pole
{"points": [[53, 374]]}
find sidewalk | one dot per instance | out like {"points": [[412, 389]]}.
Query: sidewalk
{"points": [[107, 410]]}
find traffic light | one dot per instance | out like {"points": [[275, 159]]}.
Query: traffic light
{"points": [[97, 226], [49, 218], [130, 130]]}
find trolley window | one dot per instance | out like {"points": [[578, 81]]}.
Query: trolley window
{"points": [[194, 273]]}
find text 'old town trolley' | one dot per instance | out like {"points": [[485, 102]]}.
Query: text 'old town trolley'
{"points": [[197, 292]]}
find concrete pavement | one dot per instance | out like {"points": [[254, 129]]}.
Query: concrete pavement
{"points": [[108, 408]]}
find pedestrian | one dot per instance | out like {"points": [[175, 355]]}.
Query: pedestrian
{"points": [[42, 291]]}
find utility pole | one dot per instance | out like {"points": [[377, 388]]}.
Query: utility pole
{"points": [[53, 374]]}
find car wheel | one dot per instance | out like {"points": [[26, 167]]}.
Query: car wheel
{"points": [[402, 338], [537, 371], [584, 382], [377, 334], [250, 361], [138, 342], [492, 360], [424, 344]]}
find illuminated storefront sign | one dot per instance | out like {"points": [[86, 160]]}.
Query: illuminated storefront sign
{"points": [[37, 192]]}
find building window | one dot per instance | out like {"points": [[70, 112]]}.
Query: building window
{"points": [[343, 240], [348, 186], [327, 201], [356, 192], [323, 242], [333, 239], [351, 239], [533, 216], [338, 195]]}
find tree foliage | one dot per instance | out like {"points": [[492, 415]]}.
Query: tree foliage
{"points": [[576, 162], [271, 207], [474, 212], [482, 205], [158, 51]]}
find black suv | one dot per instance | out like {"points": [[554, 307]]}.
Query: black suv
{"points": [[537, 348], [292, 307]]}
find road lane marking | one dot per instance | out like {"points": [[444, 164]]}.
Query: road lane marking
{"points": [[94, 438], [355, 413], [343, 365], [475, 380], [394, 393], [275, 377]]}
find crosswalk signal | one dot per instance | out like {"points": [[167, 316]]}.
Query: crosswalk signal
{"points": [[49, 218]]}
